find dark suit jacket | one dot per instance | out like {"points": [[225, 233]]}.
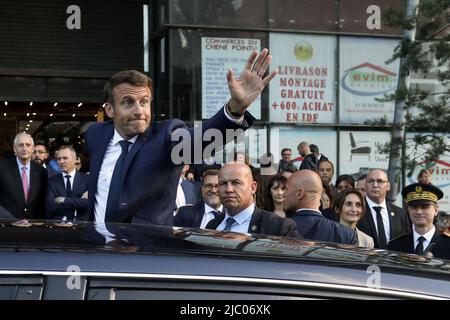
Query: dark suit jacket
{"points": [[405, 243], [150, 176], [314, 226], [192, 191], [442, 247], [190, 216], [309, 162], [11, 191], [263, 222], [4, 214], [57, 188], [399, 223]]}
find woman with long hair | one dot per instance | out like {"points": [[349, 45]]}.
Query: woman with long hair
{"points": [[350, 208], [277, 188]]}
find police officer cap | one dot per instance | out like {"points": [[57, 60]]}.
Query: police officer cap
{"points": [[420, 193]]}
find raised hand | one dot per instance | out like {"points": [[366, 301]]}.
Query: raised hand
{"points": [[252, 81]]}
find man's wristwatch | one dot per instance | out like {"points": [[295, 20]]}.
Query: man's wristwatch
{"points": [[233, 114]]}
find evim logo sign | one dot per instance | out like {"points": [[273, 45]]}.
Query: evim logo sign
{"points": [[438, 169], [368, 79]]}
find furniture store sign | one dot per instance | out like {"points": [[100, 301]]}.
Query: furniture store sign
{"points": [[364, 77]]}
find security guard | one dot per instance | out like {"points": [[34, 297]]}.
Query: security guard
{"points": [[442, 247], [421, 200]]}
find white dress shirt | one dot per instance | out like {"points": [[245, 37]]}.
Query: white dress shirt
{"points": [[384, 215], [71, 179], [428, 237], [181, 198], [209, 215], [242, 220], [112, 154]]}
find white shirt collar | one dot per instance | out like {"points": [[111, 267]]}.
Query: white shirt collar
{"points": [[428, 236], [209, 208], [373, 204], [117, 137], [71, 173]]}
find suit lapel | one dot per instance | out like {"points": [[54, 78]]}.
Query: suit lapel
{"points": [[433, 241], [96, 164], [199, 212], [392, 216], [255, 222], [60, 184], [370, 223], [140, 141], [215, 223], [16, 179]]}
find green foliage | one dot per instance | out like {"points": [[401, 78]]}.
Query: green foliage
{"points": [[428, 113]]}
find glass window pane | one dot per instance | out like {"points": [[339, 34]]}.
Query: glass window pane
{"points": [[236, 13], [319, 15]]}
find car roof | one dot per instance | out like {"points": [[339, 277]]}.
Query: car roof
{"points": [[145, 239]]}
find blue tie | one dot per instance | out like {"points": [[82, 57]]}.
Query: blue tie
{"points": [[228, 224], [112, 205]]}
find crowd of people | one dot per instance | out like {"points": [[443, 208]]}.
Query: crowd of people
{"points": [[133, 178]]}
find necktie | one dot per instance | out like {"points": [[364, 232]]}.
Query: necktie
{"points": [[382, 242], [25, 182], [216, 213], [112, 205], [228, 224], [419, 249], [68, 186]]}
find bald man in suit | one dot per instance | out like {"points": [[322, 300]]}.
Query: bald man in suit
{"points": [[237, 190], [303, 193]]}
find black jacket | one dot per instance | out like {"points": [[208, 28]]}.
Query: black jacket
{"points": [[314, 226], [405, 243], [398, 222], [12, 198], [190, 216], [309, 162]]}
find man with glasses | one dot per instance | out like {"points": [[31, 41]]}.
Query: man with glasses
{"points": [[383, 221], [40, 156], [199, 215], [285, 162]]}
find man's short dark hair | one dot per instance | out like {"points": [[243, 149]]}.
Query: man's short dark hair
{"points": [[41, 143], [210, 172], [285, 149], [132, 77], [313, 148]]}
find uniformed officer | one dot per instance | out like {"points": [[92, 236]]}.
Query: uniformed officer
{"points": [[421, 200]]}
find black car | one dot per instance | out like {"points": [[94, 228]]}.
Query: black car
{"points": [[86, 261]]}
